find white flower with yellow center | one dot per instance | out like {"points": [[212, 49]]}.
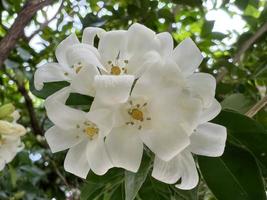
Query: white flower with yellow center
{"points": [[10, 143], [157, 113], [80, 132], [206, 138], [124, 52], [74, 62]]}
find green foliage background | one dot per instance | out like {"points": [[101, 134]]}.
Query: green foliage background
{"points": [[240, 174]]}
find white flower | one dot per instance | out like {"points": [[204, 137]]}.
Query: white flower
{"points": [[124, 52], [206, 139], [10, 143], [74, 63], [80, 132], [157, 113]]}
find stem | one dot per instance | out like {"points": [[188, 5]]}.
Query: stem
{"points": [[257, 107], [17, 29]]}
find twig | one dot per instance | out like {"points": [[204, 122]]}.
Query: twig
{"points": [[45, 24], [17, 29], [64, 180], [29, 104], [247, 44], [257, 107]]}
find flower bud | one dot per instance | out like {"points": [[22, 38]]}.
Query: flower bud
{"points": [[6, 110]]}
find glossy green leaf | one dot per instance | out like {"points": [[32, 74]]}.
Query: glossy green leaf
{"points": [[96, 186], [245, 132], [48, 89], [235, 175], [237, 102], [134, 181]]}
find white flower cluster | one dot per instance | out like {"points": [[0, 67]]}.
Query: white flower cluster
{"points": [[145, 94], [10, 133]]}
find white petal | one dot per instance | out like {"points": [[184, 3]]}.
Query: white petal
{"points": [[141, 39], [125, 148], [167, 171], [166, 43], [2, 165], [187, 56], [113, 89], [83, 82], [63, 46], [208, 140], [97, 156], [89, 34], [202, 85], [61, 115], [209, 113], [103, 118], [159, 79], [50, 72], [76, 160], [112, 44], [178, 108], [9, 149], [84, 53], [165, 140], [189, 178], [139, 62], [59, 139]]}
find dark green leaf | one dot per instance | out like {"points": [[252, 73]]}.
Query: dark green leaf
{"points": [[235, 175], [245, 132], [134, 181]]}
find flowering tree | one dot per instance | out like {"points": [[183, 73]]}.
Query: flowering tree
{"points": [[151, 100]]}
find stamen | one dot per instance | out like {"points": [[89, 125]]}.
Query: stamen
{"points": [[126, 61], [137, 114], [145, 104], [66, 73], [78, 69], [148, 118], [115, 70], [139, 127]]}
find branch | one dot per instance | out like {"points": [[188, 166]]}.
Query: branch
{"points": [[29, 104], [45, 24], [257, 107], [17, 29], [247, 44]]}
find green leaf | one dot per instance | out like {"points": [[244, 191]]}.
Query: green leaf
{"points": [[245, 132], [48, 89], [156, 190], [235, 175], [207, 28], [237, 102], [96, 186], [134, 181], [79, 99]]}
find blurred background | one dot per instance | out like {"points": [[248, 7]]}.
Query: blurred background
{"points": [[232, 35]]}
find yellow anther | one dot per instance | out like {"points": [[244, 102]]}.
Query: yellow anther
{"points": [[77, 70], [115, 70], [91, 131], [137, 114]]}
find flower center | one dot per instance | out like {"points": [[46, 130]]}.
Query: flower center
{"points": [[77, 67], [91, 130], [137, 114], [115, 70]]}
